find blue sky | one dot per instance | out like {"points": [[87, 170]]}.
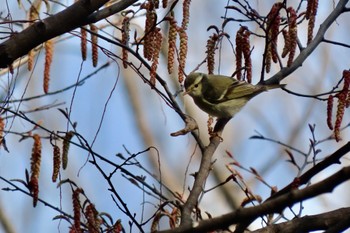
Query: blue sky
{"points": [[274, 114]]}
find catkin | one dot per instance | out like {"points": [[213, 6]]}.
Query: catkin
{"points": [[35, 168]]}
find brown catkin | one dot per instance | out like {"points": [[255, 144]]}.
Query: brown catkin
{"points": [[185, 14], [93, 222], [293, 34], [274, 38], [83, 42], [76, 210], [48, 61], [118, 227], [314, 7], [125, 40], [286, 47], [342, 104], [155, 58], [311, 12], [243, 51], [310, 28], [94, 46], [273, 23], [330, 101], [340, 113], [346, 75], [268, 59], [150, 22], [56, 162], [65, 149], [32, 16], [172, 34], [311, 8], [35, 168], [183, 53], [211, 45], [308, 9]]}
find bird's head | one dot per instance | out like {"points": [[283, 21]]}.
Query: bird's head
{"points": [[194, 84]]}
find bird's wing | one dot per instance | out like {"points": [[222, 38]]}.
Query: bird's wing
{"points": [[229, 89], [242, 89], [217, 88]]}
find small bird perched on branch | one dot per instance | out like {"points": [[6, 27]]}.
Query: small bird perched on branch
{"points": [[222, 96]]}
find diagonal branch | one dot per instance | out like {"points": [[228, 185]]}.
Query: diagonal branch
{"points": [[310, 223], [276, 205], [72, 17], [306, 177]]}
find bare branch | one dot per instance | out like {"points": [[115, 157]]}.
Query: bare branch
{"points": [[309, 223], [73, 17], [203, 172], [276, 205]]}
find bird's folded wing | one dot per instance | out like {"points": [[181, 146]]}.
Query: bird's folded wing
{"points": [[243, 89], [237, 89], [217, 88]]}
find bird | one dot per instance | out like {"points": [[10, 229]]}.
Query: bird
{"points": [[221, 96]]}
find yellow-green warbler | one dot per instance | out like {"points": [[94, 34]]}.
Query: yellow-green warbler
{"points": [[222, 96]]}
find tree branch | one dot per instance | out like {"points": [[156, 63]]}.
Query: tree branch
{"points": [[322, 221], [73, 17], [203, 173], [306, 177], [276, 205]]}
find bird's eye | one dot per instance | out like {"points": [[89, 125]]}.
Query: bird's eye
{"points": [[196, 85]]}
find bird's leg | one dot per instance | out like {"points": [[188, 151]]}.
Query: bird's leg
{"points": [[209, 124], [219, 128]]}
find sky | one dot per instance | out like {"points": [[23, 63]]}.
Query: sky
{"points": [[107, 97]]}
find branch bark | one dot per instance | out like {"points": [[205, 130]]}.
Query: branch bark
{"points": [[322, 221], [203, 173], [76, 15], [276, 205]]}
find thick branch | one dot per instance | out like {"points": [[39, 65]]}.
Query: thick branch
{"points": [[108, 11], [203, 173], [310, 223], [276, 205], [72, 17]]}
